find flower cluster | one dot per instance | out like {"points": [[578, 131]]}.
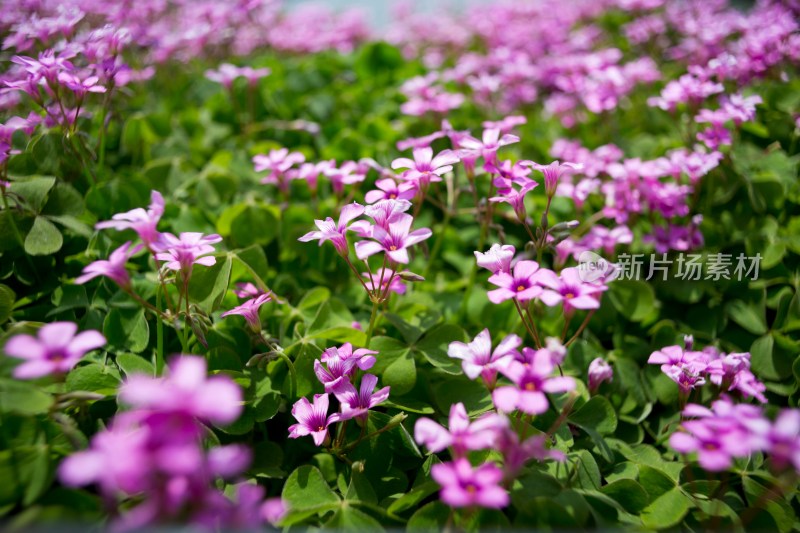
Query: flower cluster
{"points": [[389, 233], [227, 73], [524, 281], [727, 431], [337, 370], [692, 368], [154, 454], [465, 485]]}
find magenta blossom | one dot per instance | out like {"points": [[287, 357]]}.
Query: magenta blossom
{"points": [[462, 435], [463, 486], [478, 359], [599, 371], [363, 357], [784, 440], [249, 310], [142, 222], [190, 248], [419, 142], [113, 268], [570, 290], [425, 168], [532, 379], [514, 197], [227, 73], [488, 146], [386, 211], [394, 241], [247, 290], [497, 259], [340, 364], [389, 189], [187, 389], [553, 173], [506, 124], [722, 433], [356, 402], [54, 350], [312, 419], [278, 162], [522, 285], [686, 368], [335, 231]]}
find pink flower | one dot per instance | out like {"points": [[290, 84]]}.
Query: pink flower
{"points": [[488, 146], [340, 364], [462, 435], [54, 350], [80, 86], [599, 371], [190, 248], [389, 189], [784, 440], [686, 368], [274, 510], [114, 268], [186, 389], [363, 357], [335, 231], [532, 379], [463, 486], [419, 142], [385, 211], [478, 359], [143, 222], [506, 124], [394, 241], [497, 259], [312, 419], [569, 289], [349, 173], [355, 403], [227, 73], [521, 285], [278, 162], [247, 290], [553, 173], [722, 433], [249, 310], [425, 168], [515, 198]]}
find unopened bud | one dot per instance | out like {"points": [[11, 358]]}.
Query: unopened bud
{"points": [[688, 342], [407, 275]]}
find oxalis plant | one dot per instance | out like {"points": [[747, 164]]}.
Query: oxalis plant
{"points": [[555, 281]]}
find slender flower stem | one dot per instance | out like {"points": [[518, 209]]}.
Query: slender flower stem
{"points": [[565, 411], [277, 350], [358, 276], [372, 318], [292, 372], [580, 329], [536, 337], [525, 322], [393, 423], [144, 303], [159, 334], [437, 246]]}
